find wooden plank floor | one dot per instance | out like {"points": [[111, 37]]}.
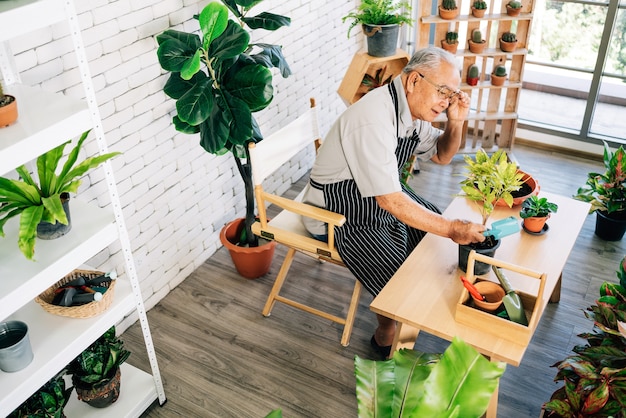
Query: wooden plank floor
{"points": [[219, 357]]}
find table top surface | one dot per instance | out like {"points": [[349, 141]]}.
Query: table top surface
{"points": [[425, 290]]}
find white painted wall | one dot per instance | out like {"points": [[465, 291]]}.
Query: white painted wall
{"points": [[175, 196]]}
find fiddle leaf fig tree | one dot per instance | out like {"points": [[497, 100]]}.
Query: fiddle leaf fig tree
{"points": [[219, 79]]}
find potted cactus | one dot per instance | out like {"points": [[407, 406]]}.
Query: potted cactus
{"points": [[513, 7], [8, 108], [498, 76], [473, 75], [479, 8], [476, 42], [448, 9], [508, 42], [451, 42]]}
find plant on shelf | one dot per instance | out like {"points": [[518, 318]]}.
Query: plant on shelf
{"points": [[536, 211], [448, 9], [451, 42], [96, 371], [48, 402], [498, 76], [479, 7], [473, 75], [371, 82], [380, 12], [476, 42], [508, 42], [595, 376], [219, 79], [42, 201], [8, 108], [513, 7], [418, 384], [607, 193]]}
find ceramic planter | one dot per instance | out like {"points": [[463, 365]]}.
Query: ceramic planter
{"points": [[48, 231], [535, 224], [101, 396], [512, 12], [476, 47], [452, 48], [478, 12], [15, 350], [493, 292], [382, 40], [610, 227], [250, 262], [8, 113], [530, 187], [497, 80], [507, 46], [448, 14]]}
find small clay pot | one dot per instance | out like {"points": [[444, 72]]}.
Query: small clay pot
{"points": [[493, 292], [497, 80], [507, 46], [478, 12], [511, 11], [476, 47], [448, 14], [452, 48], [536, 223]]}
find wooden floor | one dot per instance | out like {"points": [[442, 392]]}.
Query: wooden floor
{"points": [[219, 357]]}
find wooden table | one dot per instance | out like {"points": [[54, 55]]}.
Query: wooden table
{"points": [[423, 294]]}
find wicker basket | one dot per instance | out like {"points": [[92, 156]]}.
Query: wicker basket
{"points": [[87, 310]]}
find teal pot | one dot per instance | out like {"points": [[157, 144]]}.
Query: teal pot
{"points": [[47, 231], [487, 247], [382, 40], [15, 350], [610, 227]]}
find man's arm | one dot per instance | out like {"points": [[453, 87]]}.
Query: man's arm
{"points": [[449, 141]]}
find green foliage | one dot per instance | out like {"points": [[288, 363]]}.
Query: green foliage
{"points": [[535, 206], [47, 402], [277, 413], [377, 80], [458, 382], [515, 4], [97, 364], [473, 71], [477, 36], [452, 37], [595, 376], [606, 191], [219, 80], [37, 202], [380, 12], [490, 179], [479, 4], [509, 37], [448, 4]]}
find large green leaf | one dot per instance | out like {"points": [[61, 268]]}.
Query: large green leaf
{"points": [[252, 84], [29, 220], [232, 42], [46, 169], [195, 106], [272, 56], [215, 131], [375, 382], [54, 210], [267, 21], [19, 192], [241, 129], [213, 20], [176, 48], [176, 86]]}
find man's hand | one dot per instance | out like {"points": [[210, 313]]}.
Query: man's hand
{"points": [[465, 232], [459, 107]]}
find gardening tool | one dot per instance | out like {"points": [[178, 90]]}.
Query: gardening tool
{"points": [[512, 302], [472, 289], [503, 228]]}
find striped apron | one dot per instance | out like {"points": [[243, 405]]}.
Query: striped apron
{"points": [[373, 243]]}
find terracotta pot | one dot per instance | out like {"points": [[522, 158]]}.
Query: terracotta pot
{"points": [[102, 396], [508, 46], [497, 80], [535, 223], [250, 262], [493, 292], [512, 12], [452, 48], [476, 48], [448, 14], [530, 187], [478, 12], [8, 113]]}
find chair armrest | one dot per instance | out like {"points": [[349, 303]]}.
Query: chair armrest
{"points": [[305, 209]]}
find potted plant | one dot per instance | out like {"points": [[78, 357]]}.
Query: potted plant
{"points": [[607, 194], [448, 9], [43, 204], [479, 8], [476, 42], [594, 377], [8, 108], [418, 384], [380, 21], [489, 179], [219, 80], [513, 7], [96, 371], [535, 212], [473, 75], [48, 402], [508, 42], [451, 42], [498, 75]]}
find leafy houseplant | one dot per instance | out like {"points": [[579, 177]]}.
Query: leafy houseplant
{"points": [[448, 9], [8, 108], [47, 402], [451, 42], [41, 201], [96, 371], [380, 12], [595, 376], [536, 211], [458, 382], [479, 7], [219, 80]]}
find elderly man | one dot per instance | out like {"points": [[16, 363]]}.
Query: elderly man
{"points": [[357, 173]]}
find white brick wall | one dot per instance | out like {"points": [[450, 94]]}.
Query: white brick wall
{"points": [[175, 196]]}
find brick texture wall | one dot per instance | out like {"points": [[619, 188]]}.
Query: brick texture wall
{"points": [[175, 196]]}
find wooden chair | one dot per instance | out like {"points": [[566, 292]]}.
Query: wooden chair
{"points": [[287, 228]]}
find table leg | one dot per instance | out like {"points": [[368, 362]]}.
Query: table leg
{"points": [[555, 297], [492, 409], [405, 337]]}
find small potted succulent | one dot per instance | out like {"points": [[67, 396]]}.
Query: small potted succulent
{"points": [[473, 75], [451, 42], [479, 8], [448, 9], [513, 7], [498, 75], [508, 42], [607, 194], [8, 108], [476, 41], [535, 212]]}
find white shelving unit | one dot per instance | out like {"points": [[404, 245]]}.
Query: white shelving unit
{"points": [[46, 120]]}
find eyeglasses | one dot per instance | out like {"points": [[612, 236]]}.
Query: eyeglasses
{"points": [[445, 92]]}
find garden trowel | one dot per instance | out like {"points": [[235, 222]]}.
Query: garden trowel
{"points": [[503, 227], [512, 302]]}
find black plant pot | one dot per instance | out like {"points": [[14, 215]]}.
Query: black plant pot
{"points": [[46, 230], [610, 227], [487, 247]]}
